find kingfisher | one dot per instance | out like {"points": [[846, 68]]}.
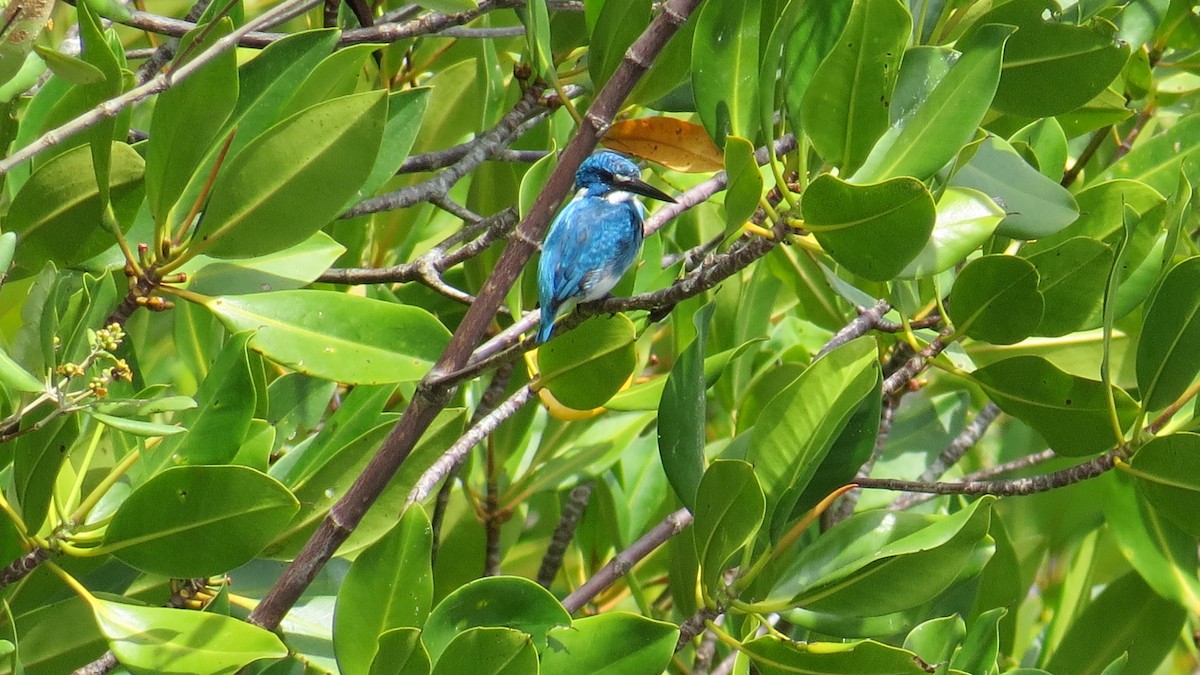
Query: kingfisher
{"points": [[595, 239]]}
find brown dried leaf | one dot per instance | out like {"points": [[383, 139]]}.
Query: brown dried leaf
{"points": [[673, 143]]}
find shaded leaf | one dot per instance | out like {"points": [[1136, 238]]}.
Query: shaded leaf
{"points": [[583, 368], [1168, 355], [681, 414], [513, 602], [725, 68], [996, 299], [729, 510]]}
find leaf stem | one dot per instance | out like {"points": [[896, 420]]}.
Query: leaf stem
{"points": [[109, 481]]}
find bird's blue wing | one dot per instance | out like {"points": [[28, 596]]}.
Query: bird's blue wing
{"points": [[590, 239]]}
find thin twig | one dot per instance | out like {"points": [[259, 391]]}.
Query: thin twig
{"points": [[577, 501], [859, 326], [912, 499], [624, 561], [492, 517], [963, 442], [1097, 140], [913, 367], [695, 625]]}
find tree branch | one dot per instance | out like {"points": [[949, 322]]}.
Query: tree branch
{"points": [[577, 502], [624, 561]]}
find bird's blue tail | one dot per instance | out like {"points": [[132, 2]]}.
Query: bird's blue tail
{"points": [[547, 326]]}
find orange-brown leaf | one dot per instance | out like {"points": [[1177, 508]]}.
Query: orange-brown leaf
{"points": [[675, 144]]}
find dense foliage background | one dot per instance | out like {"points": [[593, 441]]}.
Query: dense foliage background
{"points": [[269, 399]]}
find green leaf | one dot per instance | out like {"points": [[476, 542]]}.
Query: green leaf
{"points": [[337, 336], [620, 23], [845, 108], [796, 428], [169, 641], [617, 642], [182, 132], [291, 268], [1162, 552], [406, 109], [1070, 412], [38, 456], [1156, 161], [390, 585], [729, 510], [69, 68], [922, 143], [877, 563], [14, 376], [218, 424], [681, 414], [1050, 66], [56, 215], [936, 639], [135, 427], [851, 220], [982, 646], [806, 32], [1168, 355], [335, 76], [1036, 206], [583, 368], [725, 68], [965, 219], [514, 602], [488, 651], [535, 179], [197, 521], [293, 179], [1166, 472], [1071, 279], [773, 655], [745, 185], [920, 72], [1148, 629], [996, 299], [537, 36], [400, 652], [648, 395], [1049, 144]]}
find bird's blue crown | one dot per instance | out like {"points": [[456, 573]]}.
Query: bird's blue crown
{"points": [[605, 171]]}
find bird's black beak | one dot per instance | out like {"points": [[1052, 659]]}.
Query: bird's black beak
{"points": [[645, 189]]}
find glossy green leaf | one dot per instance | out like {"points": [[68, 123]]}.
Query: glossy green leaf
{"points": [[745, 185], [851, 221], [1162, 552], [1168, 355], [965, 219], [56, 215], [390, 585], [877, 563], [776, 656], [291, 268], [730, 507], [27, 21], [982, 646], [845, 108], [38, 456], [400, 652], [69, 68], [98, 51], [1050, 66], [1070, 412], [197, 521], [616, 642], [923, 142], [1101, 212], [488, 651], [936, 640], [1166, 472], [405, 110], [1035, 205], [178, 641], [681, 414], [920, 72], [1071, 278], [1156, 160], [648, 395], [335, 76], [1148, 629], [534, 180], [1108, 107], [537, 35], [806, 32], [996, 299], [514, 602], [584, 368], [220, 420], [14, 376], [184, 132], [135, 427], [796, 428], [725, 68], [1049, 144], [336, 336], [294, 179], [618, 25]]}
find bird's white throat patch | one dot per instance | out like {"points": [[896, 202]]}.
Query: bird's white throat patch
{"points": [[618, 197]]}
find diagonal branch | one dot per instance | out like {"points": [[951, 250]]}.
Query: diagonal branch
{"points": [[429, 399]]}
